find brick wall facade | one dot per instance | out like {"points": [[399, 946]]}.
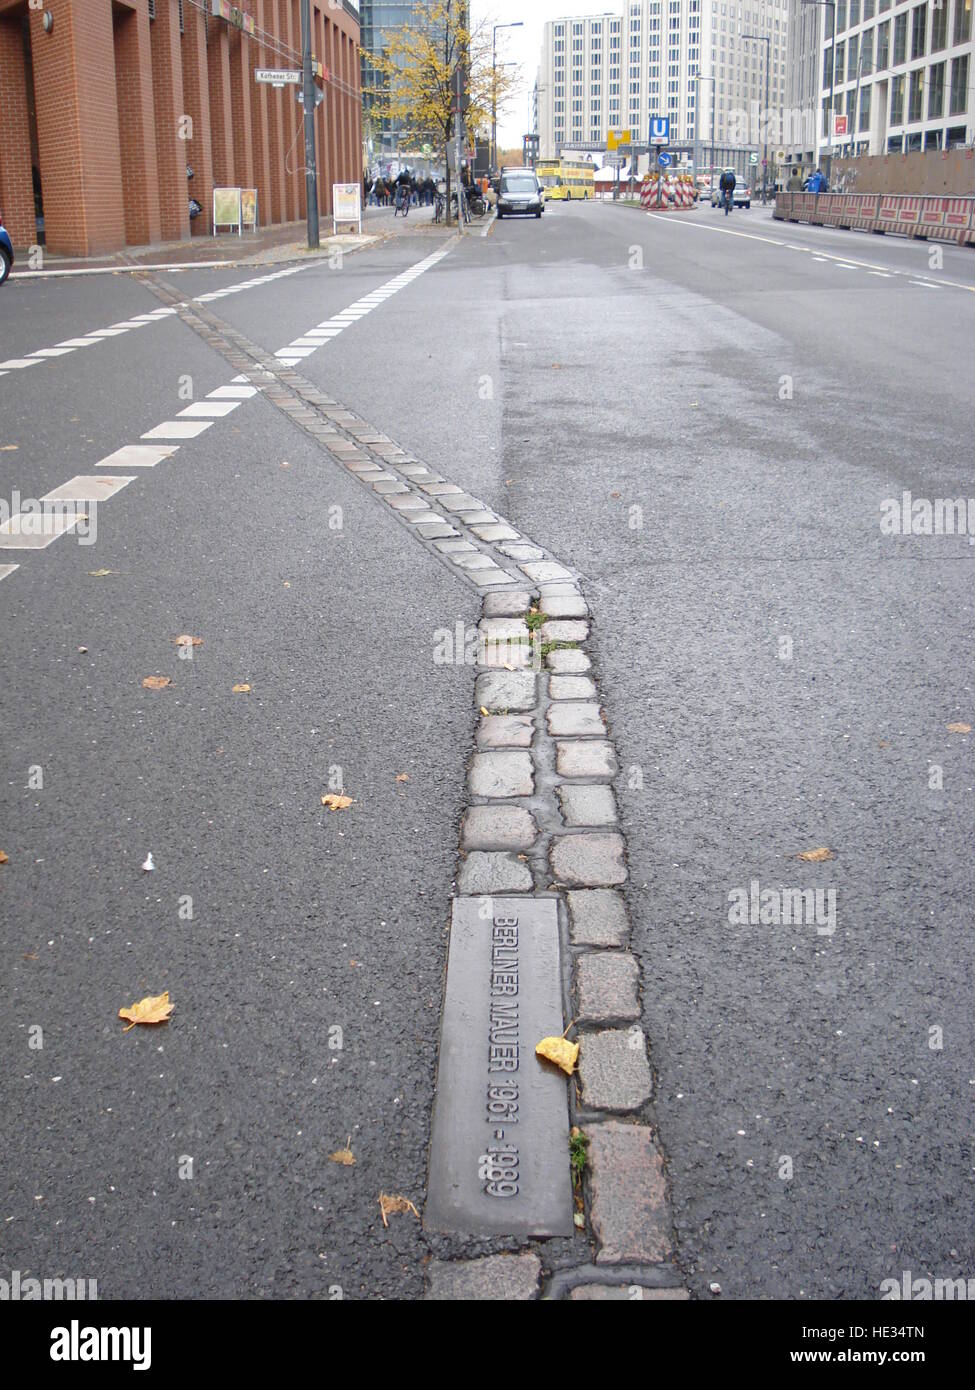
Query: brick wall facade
{"points": [[112, 87]]}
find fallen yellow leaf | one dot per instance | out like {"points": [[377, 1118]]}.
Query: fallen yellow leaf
{"points": [[155, 1008], [485, 712], [959, 728], [241, 690], [563, 1053], [816, 856], [402, 777], [4, 858], [187, 641], [344, 1156], [389, 1206], [156, 682], [337, 803]]}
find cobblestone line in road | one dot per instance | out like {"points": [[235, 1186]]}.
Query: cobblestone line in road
{"points": [[541, 820]]}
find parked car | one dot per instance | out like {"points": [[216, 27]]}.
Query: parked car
{"points": [[742, 196], [520, 192], [6, 252]]}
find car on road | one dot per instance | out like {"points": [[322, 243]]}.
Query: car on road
{"points": [[6, 252], [519, 192], [742, 196]]}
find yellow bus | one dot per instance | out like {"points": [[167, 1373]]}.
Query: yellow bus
{"points": [[562, 179]]}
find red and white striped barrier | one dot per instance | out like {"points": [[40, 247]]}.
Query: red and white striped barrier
{"points": [[908, 214]]}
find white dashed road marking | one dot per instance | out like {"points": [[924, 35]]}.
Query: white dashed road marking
{"points": [[178, 429], [40, 531], [138, 456]]}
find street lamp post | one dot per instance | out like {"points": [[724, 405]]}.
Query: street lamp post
{"points": [[516, 24], [767, 41], [832, 83]]}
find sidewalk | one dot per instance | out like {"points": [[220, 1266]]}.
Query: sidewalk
{"points": [[269, 246]]}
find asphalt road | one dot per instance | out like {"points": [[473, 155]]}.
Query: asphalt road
{"points": [[703, 416]]}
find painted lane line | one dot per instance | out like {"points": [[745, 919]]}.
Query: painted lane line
{"points": [[7, 569], [776, 241], [87, 489], [80, 342], [53, 352], [295, 353], [884, 274], [214, 410], [138, 456], [232, 393], [924, 284], [842, 265], [19, 363], [177, 429], [108, 332], [30, 531], [309, 342]]}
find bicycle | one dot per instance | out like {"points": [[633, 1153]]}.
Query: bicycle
{"points": [[440, 208], [402, 201], [728, 200]]}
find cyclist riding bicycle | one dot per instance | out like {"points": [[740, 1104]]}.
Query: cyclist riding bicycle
{"points": [[727, 186], [404, 192]]}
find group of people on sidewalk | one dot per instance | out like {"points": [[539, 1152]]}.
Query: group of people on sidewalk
{"points": [[812, 183], [380, 192]]}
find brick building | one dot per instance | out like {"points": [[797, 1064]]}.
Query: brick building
{"points": [[105, 103]]}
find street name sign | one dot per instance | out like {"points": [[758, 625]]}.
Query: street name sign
{"points": [[498, 1155], [277, 77]]}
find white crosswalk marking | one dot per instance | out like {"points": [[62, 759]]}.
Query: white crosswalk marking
{"points": [[7, 569], [213, 410]]}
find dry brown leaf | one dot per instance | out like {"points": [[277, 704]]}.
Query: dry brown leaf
{"points": [[486, 713], [337, 803], [344, 1156], [155, 1008], [563, 1053], [241, 690], [402, 777], [156, 682], [816, 856], [187, 641], [391, 1206], [959, 728], [4, 858]]}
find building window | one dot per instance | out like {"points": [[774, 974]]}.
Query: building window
{"points": [[915, 111], [959, 85], [883, 45], [900, 39], [864, 120], [897, 100], [939, 26], [936, 92], [963, 20], [919, 22]]}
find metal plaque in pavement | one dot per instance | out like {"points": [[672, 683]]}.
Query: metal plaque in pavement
{"points": [[499, 1160]]}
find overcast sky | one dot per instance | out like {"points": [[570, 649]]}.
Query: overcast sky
{"points": [[523, 47]]}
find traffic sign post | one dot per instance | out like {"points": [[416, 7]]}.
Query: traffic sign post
{"points": [[663, 159]]}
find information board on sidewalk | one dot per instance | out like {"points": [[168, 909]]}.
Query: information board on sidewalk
{"points": [[347, 206]]}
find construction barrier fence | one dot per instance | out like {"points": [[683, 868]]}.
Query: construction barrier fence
{"points": [[665, 192], [914, 215]]}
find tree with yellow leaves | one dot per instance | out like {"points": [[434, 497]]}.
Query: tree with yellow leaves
{"points": [[418, 69]]}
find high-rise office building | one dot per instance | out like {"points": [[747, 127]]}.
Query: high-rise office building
{"points": [[379, 20], [673, 58], [902, 77]]}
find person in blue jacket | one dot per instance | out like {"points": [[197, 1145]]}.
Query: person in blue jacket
{"points": [[816, 183]]}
